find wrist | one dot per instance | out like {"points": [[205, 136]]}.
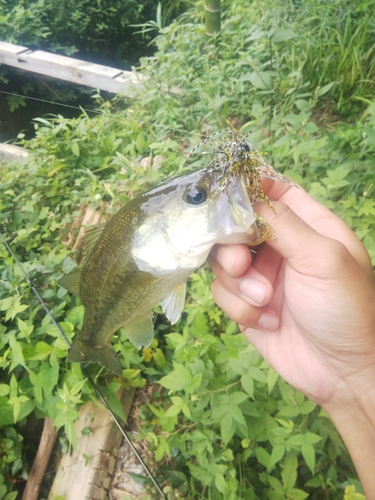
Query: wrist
{"points": [[355, 392], [353, 413]]}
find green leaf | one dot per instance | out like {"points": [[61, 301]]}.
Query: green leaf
{"points": [[272, 377], [4, 389], [276, 485], [173, 411], [295, 494], [186, 411], [159, 358], [15, 308], [312, 438], [237, 415], [289, 473], [351, 494], [12, 495], [38, 394], [25, 329], [277, 454], [17, 354], [16, 403], [282, 35], [220, 483], [301, 104], [236, 367], [307, 407], [6, 304], [263, 456], [238, 397], [178, 379], [50, 376], [77, 387], [261, 80], [116, 406], [325, 89], [227, 427], [288, 412], [41, 351], [71, 434], [247, 383], [201, 474], [308, 454], [75, 149], [257, 374], [63, 418], [159, 452], [296, 441], [220, 411]]}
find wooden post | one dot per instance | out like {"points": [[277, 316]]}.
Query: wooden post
{"points": [[86, 473], [40, 464]]}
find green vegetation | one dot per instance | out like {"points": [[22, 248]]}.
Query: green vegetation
{"points": [[298, 77], [101, 31]]}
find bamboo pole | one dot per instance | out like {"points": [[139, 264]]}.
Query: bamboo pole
{"points": [[212, 16]]}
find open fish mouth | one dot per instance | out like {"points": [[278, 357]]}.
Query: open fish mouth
{"points": [[235, 213]]}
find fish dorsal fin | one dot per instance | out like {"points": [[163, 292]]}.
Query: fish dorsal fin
{"points": [[141, 332], [72, 281], [92, 234], [174, 303]]}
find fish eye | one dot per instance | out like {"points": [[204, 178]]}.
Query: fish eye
{"points": [[245, 147], [196, 196]]}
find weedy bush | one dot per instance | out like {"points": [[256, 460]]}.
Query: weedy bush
{"points": [[221, 424], [96, 30]]}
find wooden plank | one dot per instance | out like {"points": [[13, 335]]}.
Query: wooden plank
{"points": [[10, 50], [86, 473], [10, 152], [70, 69]]}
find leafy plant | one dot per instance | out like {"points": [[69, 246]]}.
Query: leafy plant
{"points": [[221, 424]]}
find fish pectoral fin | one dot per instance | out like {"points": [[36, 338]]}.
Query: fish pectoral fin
{"points": [[71, 281], [173, 304], [141, 333], [106, 355]]}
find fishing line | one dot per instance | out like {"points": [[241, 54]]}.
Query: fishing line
{"points": [[85, 371], [51, 102], [80, 108]]}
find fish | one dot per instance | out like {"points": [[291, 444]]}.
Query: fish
{"points": [[146, 252]]}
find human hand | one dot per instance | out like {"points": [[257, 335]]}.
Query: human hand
{"points": [[306, 299]]}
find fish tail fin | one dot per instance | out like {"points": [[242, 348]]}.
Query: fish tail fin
{"points": [[106, 356]]}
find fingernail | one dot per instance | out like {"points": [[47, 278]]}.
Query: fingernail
{"points": [[253, 289], [268, 321], [225, 256]]}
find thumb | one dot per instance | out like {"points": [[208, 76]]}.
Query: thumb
{"points": [[293, 238]]}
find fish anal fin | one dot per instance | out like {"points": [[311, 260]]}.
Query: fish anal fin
{"points": [[92, 234], [141, 332], [106, 356], [174, 303], [71, 281]]}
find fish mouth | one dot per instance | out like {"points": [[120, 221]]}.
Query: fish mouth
{"points": [[237, 214], [240, 207]]}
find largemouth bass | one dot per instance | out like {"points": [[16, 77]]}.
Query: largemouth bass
{"points": [[146, 252]]}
